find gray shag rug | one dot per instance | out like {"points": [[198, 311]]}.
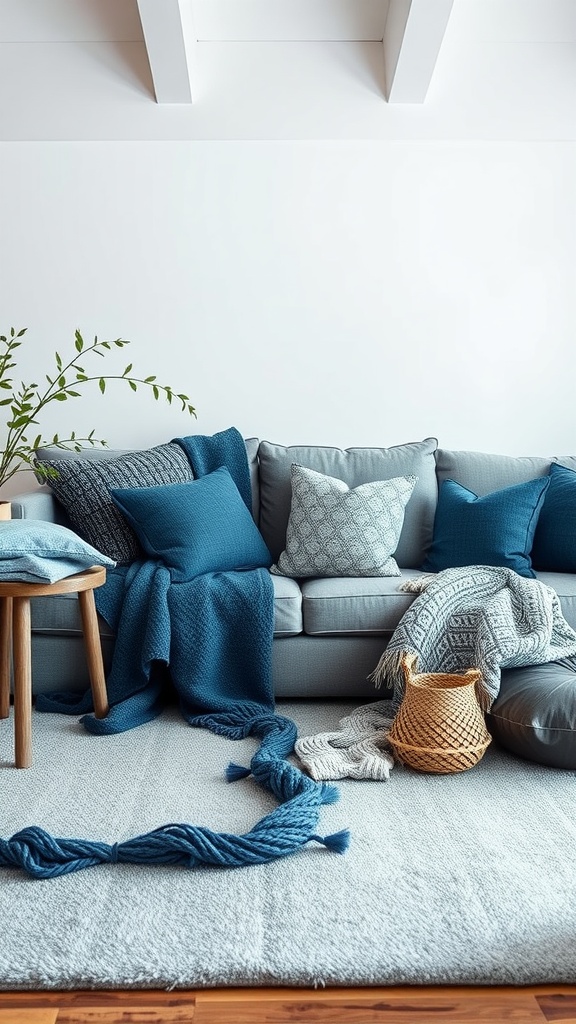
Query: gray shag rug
{"points": [[464, 879]]}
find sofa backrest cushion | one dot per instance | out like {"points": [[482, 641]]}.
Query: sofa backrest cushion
{"points": [[483, 473], [354, 466]]}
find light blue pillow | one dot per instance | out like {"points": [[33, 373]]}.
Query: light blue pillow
{"points": [[495, 529], [196, 527], [36, 551], [554, 547]]}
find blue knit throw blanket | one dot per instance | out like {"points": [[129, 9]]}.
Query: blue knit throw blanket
{"points": [[214, 635]]}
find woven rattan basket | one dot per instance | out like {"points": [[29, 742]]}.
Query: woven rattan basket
{"points": [[440, 726]]}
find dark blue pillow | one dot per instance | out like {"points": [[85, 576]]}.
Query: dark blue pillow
{"points": [[555, 538], [496, 529], [196, 527]]}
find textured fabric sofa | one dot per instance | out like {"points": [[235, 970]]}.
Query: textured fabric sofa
{"points": [[331, 631]]}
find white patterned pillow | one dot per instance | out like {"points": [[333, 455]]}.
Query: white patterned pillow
{"points": [[336, 530]]}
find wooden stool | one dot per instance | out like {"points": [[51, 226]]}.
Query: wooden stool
{"points": [[15, 634]]}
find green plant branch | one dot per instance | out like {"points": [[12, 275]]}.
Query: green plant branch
{"points": [[27, 403]]}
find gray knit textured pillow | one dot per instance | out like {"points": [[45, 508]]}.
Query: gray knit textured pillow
{"points": [[336, 530], [82, 486]]}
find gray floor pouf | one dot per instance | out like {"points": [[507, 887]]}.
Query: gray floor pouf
{"points": [[534, 715]]}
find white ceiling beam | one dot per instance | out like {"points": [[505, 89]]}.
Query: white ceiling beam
{"points": [[412, 39], [170, 41]]}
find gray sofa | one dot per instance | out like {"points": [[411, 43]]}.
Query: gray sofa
{"points": [[329, 632]]}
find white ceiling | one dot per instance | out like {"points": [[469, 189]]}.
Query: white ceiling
{"points": [[287, 69]]}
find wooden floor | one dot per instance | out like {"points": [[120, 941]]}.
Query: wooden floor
{"points": [[292, 1006]]}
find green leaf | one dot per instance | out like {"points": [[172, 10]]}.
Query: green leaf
{"points": [[79, 342], [133, 385], [73, 394], [62, 382], [60, 397], [155, 391], [148, 380], [127, 370], [102, 385], [58, 361]]}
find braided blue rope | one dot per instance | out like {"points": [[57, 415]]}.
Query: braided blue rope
{"points": [[282, 832]]}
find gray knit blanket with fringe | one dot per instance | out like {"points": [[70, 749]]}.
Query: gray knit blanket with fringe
{"points": [[478, 616], [472, 617]]}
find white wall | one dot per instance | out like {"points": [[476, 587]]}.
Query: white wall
{"points": [[347, 293]]}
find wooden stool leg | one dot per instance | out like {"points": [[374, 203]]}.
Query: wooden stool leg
{"points": [[93, 652], [22, 682], [5, 654]]}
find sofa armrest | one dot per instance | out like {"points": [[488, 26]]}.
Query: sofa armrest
{"points": [[35, 505]]}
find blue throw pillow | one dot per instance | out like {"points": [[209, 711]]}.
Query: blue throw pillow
{"points": [[555, 538], [495, 529], [36, 551], [196, 527]]}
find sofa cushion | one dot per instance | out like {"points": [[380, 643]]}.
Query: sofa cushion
{"points": [[354, 466], [494, 529], [336, 530], [534, 715], [360, 607], [564, 583], [482, 472], [287, 607], [59, 615], [201, 526], [554, 546]]}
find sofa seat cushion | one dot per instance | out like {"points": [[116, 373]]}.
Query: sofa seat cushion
{"points": [[354, 466], [534, 715], [564, 583], [60, 613], [287, 607], [349, 606]]}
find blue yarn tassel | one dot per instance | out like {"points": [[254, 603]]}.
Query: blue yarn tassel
{"points": [[234, 772]]}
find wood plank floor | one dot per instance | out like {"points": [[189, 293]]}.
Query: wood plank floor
{"points": [[455, 1005]]}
